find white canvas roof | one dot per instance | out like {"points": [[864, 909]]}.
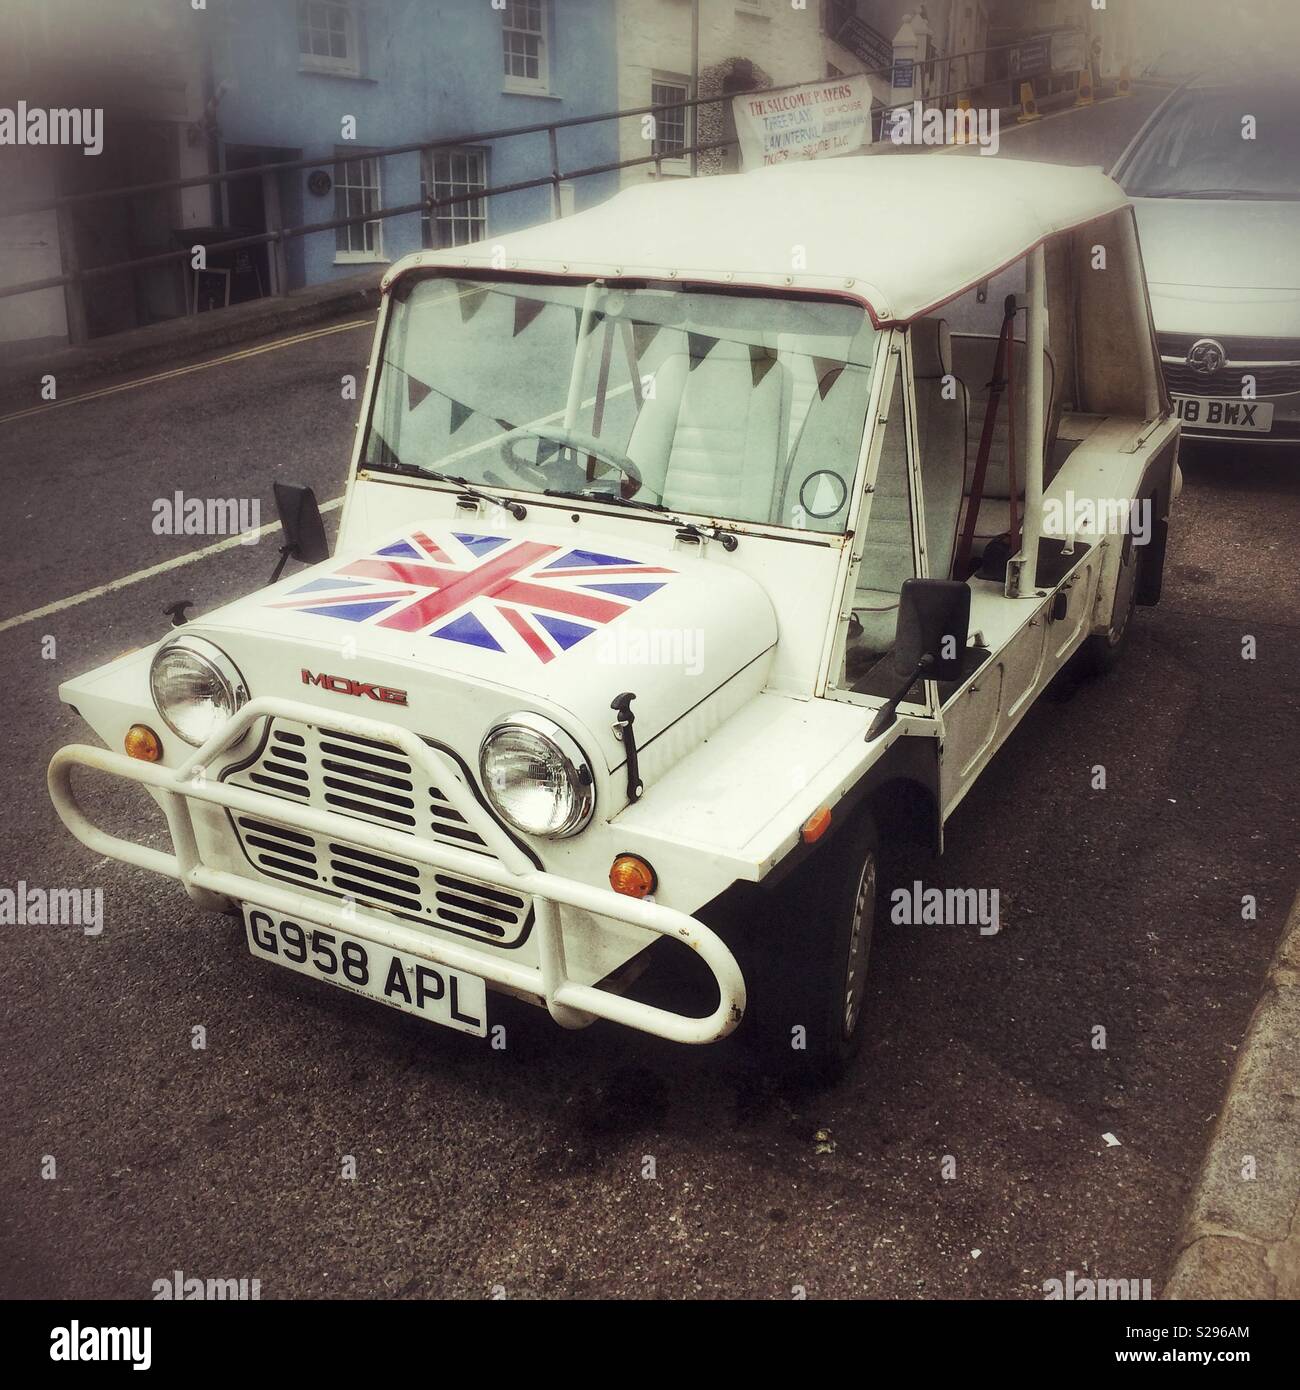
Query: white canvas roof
{"points": [[900, 232]]}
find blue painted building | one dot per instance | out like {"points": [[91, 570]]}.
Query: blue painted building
{"points": [[292, 79]]}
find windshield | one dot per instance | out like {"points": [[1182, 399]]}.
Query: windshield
{"points": [[1221, 144], [726, 406]]}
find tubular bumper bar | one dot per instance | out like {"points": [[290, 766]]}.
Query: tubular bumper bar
{"points": [[570, 1004]]}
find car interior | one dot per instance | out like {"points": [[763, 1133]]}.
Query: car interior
{"points": [[1086, 383], [762, 430], [733, 418]]}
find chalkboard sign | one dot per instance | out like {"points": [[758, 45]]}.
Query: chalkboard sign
{"points": [[211, 289]]}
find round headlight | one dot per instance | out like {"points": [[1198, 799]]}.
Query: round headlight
{"points": [[196, 687], [536, 776]]}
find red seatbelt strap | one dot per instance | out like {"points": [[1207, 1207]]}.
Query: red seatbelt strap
{"points": [[962, 561]]}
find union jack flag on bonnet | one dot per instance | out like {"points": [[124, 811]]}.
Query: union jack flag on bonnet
{"points": [[490, 592]]}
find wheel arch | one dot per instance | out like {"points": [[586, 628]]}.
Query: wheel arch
{"points": [[900, 791]]}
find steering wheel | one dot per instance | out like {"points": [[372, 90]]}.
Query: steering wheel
{"points": [[579, 443]]}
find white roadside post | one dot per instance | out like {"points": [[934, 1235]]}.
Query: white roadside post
{"points": [[1022, 572], [924, 47], [902, 94]]}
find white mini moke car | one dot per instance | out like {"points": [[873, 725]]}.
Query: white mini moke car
{"points": [[695, 548]]}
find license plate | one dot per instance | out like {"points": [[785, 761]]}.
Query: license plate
{"points": [[1230, 413], [405, 982]]}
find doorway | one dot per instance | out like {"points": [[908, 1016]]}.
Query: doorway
{"points": [[250, 206]]}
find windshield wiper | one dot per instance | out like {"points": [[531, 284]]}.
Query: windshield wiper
{"points": [[686, 530], [613, 498], [414, 470], [516, 509]]}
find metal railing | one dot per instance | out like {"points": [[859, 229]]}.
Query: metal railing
{"points": [[276, 236]]}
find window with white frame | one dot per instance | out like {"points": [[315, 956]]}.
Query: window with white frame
{"points": [[356, 193], [451, 174], [523, 45], [327, 37], [672, 125]]}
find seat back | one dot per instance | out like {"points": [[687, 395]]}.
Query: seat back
{"points": [[651, 439], [710, 438], [832, 409]]}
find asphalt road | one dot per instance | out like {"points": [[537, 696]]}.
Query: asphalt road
{"points": [[1095, 135], [522, 1172]]}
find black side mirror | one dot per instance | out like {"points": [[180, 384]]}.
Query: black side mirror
{"points": [[930, 640], [304, 531], [933, 621]]}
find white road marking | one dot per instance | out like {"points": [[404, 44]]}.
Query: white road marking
{"points": [[176, 562], [185, 371], [230, 541]]}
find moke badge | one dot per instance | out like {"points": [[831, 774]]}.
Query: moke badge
{"points": [[1206, 357], [346, 685]]}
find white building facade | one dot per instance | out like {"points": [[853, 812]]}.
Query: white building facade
{"points": [[668, 48]]}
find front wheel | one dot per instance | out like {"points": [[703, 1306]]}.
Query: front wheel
{"points": [[810, 980]]}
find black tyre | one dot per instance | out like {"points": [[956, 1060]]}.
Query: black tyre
{"points": [[1101, 652], [808, 978]]}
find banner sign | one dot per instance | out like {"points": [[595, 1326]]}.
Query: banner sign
{"points": [[1069, 53], [814, 122]]}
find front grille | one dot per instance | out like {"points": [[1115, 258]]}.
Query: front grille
{"points": [[375, 782], [1269, 381], [1245, 357], [1237, 349]]}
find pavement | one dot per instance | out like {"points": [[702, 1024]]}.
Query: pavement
{"points": [[1242, 1234], [525, 1170]]}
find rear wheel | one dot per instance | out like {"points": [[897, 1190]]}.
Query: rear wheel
{"points": [[1101, 652], [810, 980]]}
